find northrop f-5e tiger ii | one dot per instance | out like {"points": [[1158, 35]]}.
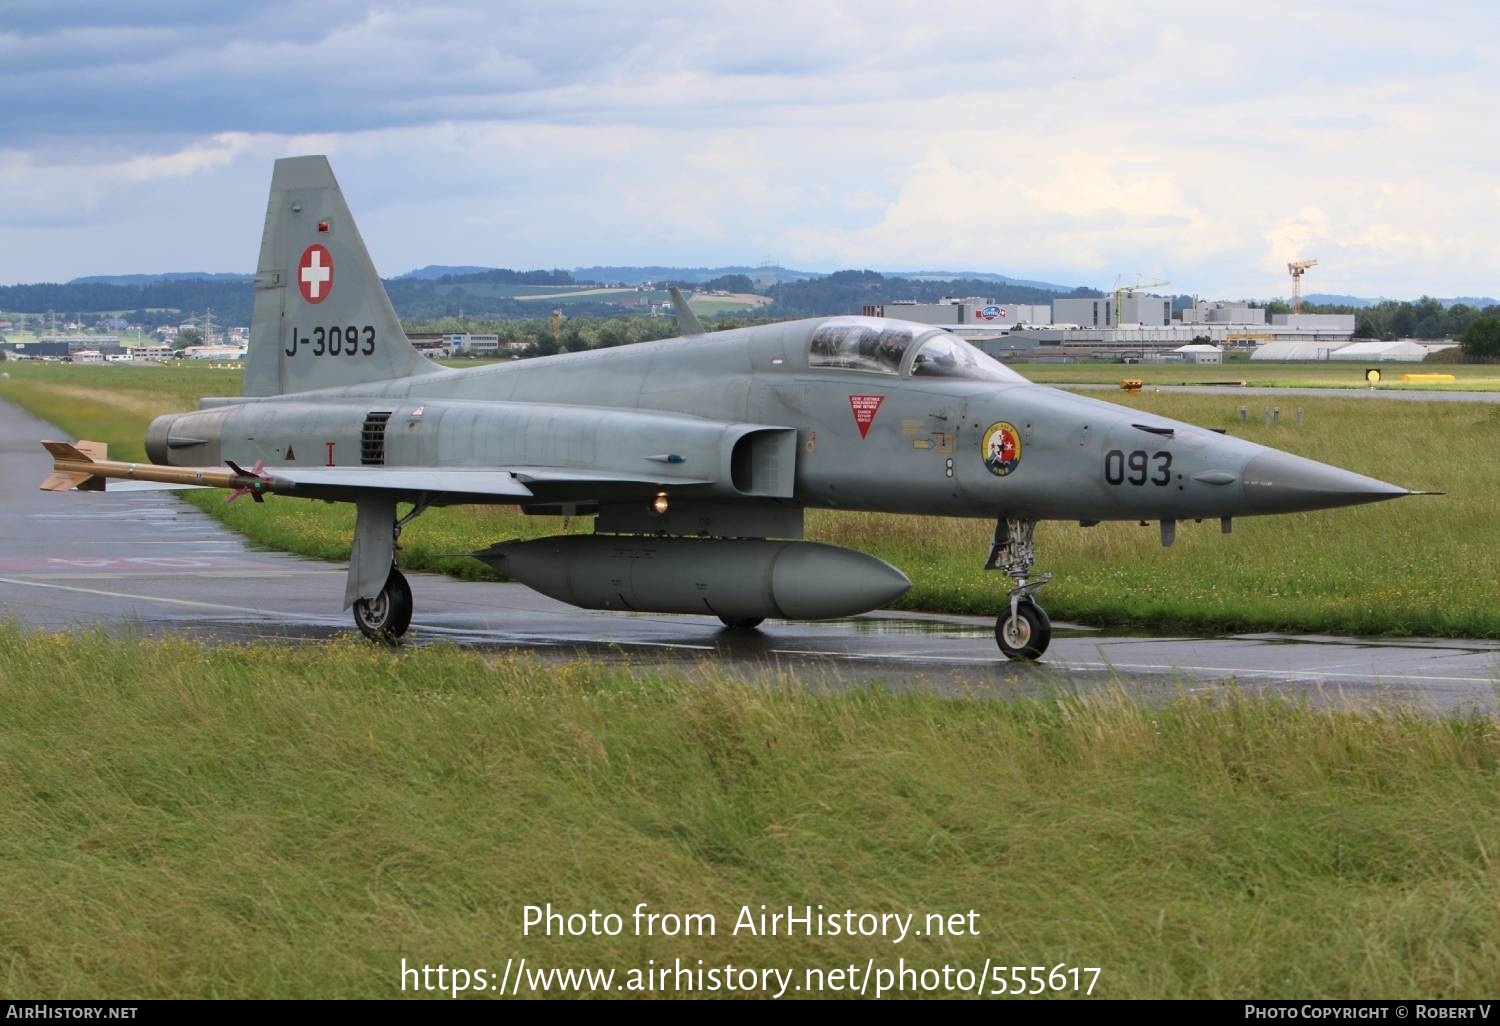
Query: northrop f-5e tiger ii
{"points": [[695, 455]]}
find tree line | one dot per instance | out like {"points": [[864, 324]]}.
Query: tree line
{"points": [[845, 292], [467, 295], [462, 303]]}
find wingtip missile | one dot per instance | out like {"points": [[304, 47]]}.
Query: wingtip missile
{"points": [[84, 466]]}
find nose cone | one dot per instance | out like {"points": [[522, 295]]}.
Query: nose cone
{"points": [[1278, 482]]}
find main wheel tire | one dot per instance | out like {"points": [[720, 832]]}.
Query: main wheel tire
{"points": [[742, 623], [386, 616], [1026, 637]]}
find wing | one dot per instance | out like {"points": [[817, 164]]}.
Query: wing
{"points": [[519, 485], [84, 466]]}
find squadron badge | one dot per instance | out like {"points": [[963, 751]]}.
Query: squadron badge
{"points": [[1001, 448]]}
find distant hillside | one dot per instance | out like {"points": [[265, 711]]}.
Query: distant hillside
{"points": [[432, 272], [769, 275], [1001, 279], [156, 279], [693, 275], [158, 302], [1364, 302], [492, 294], [845, 292]]}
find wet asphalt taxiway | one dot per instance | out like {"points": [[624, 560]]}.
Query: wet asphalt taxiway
{"points": [[148, 563]]}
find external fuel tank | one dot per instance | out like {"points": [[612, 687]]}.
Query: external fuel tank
{"points": [[793, 580]]}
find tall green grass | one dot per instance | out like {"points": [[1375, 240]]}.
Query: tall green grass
{"points": [[292, 822], [1427, 565], [1269, 374]]}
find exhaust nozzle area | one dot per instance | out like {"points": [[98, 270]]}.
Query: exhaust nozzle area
{"points": [[157, 436]]}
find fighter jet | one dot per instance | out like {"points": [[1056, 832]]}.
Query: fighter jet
{"points": [[696, 456]]}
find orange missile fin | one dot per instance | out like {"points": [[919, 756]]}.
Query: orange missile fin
{"points": [[68, 480]]}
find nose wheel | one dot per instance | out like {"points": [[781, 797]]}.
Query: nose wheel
{"points": [[1023, 631]]}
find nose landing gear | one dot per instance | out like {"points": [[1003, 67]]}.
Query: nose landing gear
{"points": [[1023, 631]]}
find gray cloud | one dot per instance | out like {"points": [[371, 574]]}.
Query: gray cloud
{"points": [[1068, 139]]}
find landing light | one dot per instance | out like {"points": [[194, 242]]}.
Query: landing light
{"points": [[659, 504]]}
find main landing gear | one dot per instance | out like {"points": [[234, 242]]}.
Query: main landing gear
{"points": [[387, 616], [1023, 631]]}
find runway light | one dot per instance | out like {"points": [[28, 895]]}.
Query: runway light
{"points": [[659, 504]]}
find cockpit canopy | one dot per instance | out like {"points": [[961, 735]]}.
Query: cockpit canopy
{"points": [[894, 347]]}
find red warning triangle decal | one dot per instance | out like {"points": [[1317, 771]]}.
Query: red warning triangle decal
{"points": [[865, 407], [289, 454]]}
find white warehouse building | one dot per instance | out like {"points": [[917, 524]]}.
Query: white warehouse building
{"points": [[1401, 349], [1200, 353]]}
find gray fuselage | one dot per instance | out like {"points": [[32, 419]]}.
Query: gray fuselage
{"points": [[922, 449]]}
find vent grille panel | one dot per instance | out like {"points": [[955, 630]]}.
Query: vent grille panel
{"points": [[372, 439]]}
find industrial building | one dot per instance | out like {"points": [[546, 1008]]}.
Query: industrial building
{"points": [[1225, 313], [1218, 325], [38, 350], [971, 311], [213, 352], [1204, 354], [1334, 324], [1131, 324], [1135, 311]]}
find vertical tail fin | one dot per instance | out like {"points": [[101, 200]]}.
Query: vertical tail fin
{"points": [[322, 317], [687, 321]]}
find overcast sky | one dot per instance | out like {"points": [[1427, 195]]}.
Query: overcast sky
{"points": [[1073, 142]]}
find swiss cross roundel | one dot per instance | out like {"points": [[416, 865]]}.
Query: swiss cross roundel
{"points": [[315, 273]]}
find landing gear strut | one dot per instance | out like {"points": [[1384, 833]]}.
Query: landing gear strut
{"points": [[387, 616], [1023, 631]]}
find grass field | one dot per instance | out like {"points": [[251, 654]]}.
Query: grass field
{"points": [[292, 822], [1268, 374], [1427, 565]]}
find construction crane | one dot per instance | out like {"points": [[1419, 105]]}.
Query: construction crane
{"points": [[1298, 268], [1122, 290]]}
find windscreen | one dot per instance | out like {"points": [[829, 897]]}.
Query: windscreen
{"points": [[942, 355]]}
